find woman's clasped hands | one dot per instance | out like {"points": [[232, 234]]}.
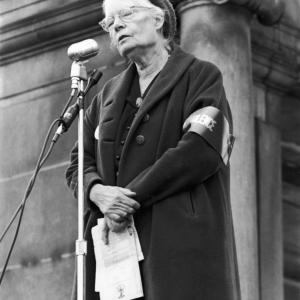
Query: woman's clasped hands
{"points": [[117, 205]]}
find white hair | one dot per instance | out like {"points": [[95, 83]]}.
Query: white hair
{"points": [[145, 3]]}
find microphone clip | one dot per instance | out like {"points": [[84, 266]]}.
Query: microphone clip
{"points": [[78, 72]]}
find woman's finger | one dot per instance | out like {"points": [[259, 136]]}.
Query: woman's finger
{"points": [[130, 202], [117, 226], [115, 217], [126, 192], [123, 207], [105, 233], [122, 213]]}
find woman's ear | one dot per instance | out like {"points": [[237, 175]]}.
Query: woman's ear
{"points": [[159, 19]]}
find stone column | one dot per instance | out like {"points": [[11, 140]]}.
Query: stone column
{"points": [[221, 34]]}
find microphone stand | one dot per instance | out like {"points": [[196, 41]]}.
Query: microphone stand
{"points": [[79, 75]]}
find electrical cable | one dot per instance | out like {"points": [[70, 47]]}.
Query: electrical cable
{"points": [[59, 120], [90, 82], [42, 159], [94, 78], [67, 104]]}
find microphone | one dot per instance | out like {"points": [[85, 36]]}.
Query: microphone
{"points": [[68, 119], [73, 110], [95, 77], [83, 50]]}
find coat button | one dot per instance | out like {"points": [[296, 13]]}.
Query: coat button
{"points": [[117, 173], [140, 139], [118, 157], [146, 118], [122, 142]]}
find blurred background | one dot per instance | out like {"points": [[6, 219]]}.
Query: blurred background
{"points": [[255, 43]]}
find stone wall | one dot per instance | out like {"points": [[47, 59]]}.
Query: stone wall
{"points": [[34, 72]]}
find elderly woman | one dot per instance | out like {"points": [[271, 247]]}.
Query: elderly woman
{"points": [[157, 143]]}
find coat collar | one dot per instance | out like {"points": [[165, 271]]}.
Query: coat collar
{"points": [[175, 67]]}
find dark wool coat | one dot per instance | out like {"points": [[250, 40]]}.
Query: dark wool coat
{"points": [[184, 223]]}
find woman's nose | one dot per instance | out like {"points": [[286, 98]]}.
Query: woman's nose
{"points": [[118, 23]]}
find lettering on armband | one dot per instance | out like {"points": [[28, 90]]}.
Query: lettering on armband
{"points": [[206, 121], [211, 124]]}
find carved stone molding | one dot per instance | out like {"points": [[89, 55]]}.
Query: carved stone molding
{"points": [[268, 12], [182, 5], [48, 28], [187, 4], [276, 57]]}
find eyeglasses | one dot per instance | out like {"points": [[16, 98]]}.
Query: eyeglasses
{"points": [[125, 15]]}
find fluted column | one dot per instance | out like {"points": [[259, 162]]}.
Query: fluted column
{"points": [[221, 34], [219, 31]]}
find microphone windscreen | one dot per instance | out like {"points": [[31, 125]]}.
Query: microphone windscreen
{"points": [[83, 50]]}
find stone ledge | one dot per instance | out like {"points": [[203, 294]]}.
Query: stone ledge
{"points": [[292, 263], [276, 57], [291, 155], [291, 193], [291, 289], [52, 280], [49, 225], [38, 11], [291, 173], [49, 29]]}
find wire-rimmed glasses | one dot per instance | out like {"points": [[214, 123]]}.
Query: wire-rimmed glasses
{"points": [[125, 15]]}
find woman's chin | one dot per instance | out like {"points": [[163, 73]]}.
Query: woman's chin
{"points": [[125, 49], [131, 49]]}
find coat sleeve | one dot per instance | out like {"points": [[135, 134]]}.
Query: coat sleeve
{"points": [[91, 175], [193, 160]]}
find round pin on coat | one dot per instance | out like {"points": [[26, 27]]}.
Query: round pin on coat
{"points": [[96, 134], [138, 102]]}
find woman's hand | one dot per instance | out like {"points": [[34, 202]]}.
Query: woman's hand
{"points": [[114, 202], [110, 225]]}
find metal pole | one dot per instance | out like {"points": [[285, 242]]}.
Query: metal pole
{"points": [[81, 244], [79, 75]]}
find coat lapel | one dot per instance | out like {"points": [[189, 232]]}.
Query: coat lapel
{"points": [[109, 121], [164, 83], [176, 66]]}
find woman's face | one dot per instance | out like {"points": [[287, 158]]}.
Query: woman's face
{"points": [[134, 32]]}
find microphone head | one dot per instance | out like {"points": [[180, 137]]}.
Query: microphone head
{"points": [[83, 50]]}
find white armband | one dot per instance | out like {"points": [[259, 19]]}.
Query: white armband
{"points": [[210, 123]]}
